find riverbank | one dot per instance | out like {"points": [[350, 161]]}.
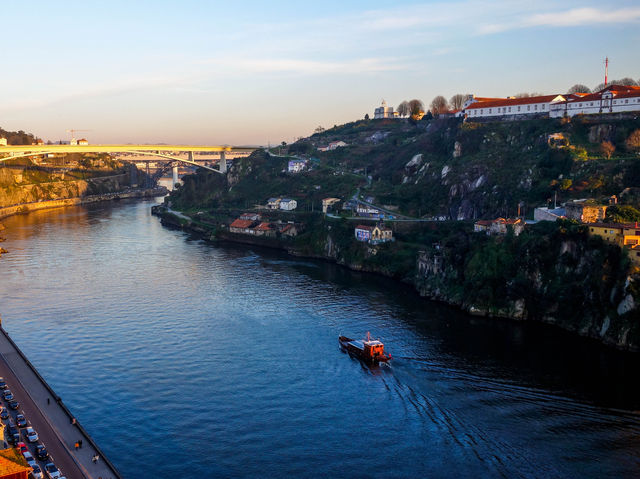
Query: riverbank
{"points": [[119, 195], [558, 276], [57, 428]]}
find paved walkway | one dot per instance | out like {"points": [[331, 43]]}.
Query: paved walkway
{"points": [[50, 418]]}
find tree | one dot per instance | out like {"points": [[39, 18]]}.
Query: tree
{"points": [[319, 129], [628, 81], [579, 88], [622, 214], [366, 116], [457, 101], [403, 108], [607, 149], [284, 143], [438, 106], [633, 142], [415, 107]]}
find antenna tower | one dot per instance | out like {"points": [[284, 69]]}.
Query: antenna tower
{"points": [[606, 71]]}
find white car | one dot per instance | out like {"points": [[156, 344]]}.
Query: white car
{"points": [[32, 435], [29, 458], [52, 471], [37, 472]]}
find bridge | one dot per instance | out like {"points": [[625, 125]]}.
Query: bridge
{"points": [[166, 152]]}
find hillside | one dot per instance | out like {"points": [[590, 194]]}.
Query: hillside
{"points": [[447, 170]]}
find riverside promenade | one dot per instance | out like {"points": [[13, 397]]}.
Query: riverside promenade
{"points": [[50, 418]]}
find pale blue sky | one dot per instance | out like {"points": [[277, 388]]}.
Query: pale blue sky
{"points": [[250, 72]]}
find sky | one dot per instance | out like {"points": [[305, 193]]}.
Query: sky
{"points": [[255, 72]]}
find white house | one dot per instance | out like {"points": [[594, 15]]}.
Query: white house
{"points": [[503, 107], [384, 111], [83, 141], [3, 142], [613, 99], [333, 145], [273, 203], [288, 204], [296, 166]]}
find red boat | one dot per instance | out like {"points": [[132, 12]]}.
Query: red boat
{"points": [[368, 350]]}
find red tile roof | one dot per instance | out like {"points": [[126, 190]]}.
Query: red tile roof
{"points": [[12, 463], [241, 224], [363, 227], [263, 227], [491, 103]]}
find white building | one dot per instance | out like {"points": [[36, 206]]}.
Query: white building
{"points": [[296, 166], [504, 107], [384, 111], [83, 141], [3, 142], [288, 204], [613, 99]]}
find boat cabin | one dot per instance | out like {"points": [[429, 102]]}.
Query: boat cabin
{"points": [[373, 349]]}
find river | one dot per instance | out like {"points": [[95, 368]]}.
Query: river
{"points": [[185, 358]]}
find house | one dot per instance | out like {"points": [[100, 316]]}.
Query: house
{"points": [[242, 226], [333, 145], [13, 465], [265, 229], [623, 235], [273, 203], [296, 166], [612, 99], [328, 203], [288, 204], [381, 234], [499, 226], [363, 233], [83, 141], [290, 229], [384, 111], [251, 216], [3, 142], [367, 211], [585, 211], [509, 108], [548, 214]]}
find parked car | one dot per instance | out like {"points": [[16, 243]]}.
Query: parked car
{"points": [[41, 452], [32, 435], [11, 428], [4, 414], [14, 404], [29, 458], [7, 395], [21, 421], [37, 472], [3, 384], [13, 438], [22, 447], [52, 471]]}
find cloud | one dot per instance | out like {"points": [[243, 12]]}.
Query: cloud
{"points": [[312, 67], [569, 18]]}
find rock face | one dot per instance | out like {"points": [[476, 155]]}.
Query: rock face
{"points": [[56, 190], [561, 278]]}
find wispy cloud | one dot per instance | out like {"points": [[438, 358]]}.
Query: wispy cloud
{"points": [[568, 18], [315, 67]]}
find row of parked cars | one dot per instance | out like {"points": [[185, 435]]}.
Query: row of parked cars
{"points": [[18, 427]]}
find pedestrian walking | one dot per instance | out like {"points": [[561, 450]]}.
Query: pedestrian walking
{"points": [[77, 446], [48, 401], [80, 443], [94, 459]]}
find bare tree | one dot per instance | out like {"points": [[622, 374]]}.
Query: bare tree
{"points": [[628, 81], [458, 100], [439, 105], [633, 142], [415, 107], [579, 88], [522, 95], [607, 149], [624, 81], [403, 108], [319, 129]]}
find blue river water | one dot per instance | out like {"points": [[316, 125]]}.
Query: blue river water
{"points": [[183, 358]]}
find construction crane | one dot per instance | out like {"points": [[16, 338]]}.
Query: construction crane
{"points": [[73, 133]]}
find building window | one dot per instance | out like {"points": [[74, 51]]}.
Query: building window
{"points": [[626, 101], [535, 107], [518, 108], [509, 108], [489, 110], [591, 103], [543, 106]]}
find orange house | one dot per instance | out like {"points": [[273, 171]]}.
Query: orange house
{"points": [[13, 465]]}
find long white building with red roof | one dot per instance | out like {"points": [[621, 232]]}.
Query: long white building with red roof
{"points": [[533, 106], [613, 99]]}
